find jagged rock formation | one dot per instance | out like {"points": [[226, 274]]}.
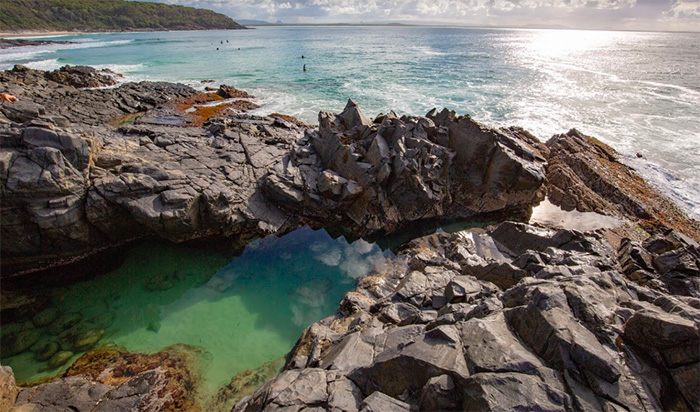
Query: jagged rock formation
{"points": [[519, 318], [369, 176], [72, 185]]}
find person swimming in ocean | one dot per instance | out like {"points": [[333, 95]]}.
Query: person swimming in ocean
{"points": [[302, 56]]}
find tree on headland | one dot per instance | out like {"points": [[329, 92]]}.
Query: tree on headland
{"points": [[106, 15]]}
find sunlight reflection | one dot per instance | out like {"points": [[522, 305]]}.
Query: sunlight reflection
{"points": [[553, 43]]}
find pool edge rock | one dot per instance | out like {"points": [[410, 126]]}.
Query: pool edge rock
{"points": [[519, 317], [110, 379]]}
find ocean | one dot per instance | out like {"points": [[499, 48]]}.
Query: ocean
{"points": [[637, 91]]}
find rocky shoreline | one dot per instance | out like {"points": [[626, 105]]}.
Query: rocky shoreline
{"points": [[512, 317], [7, 43]]}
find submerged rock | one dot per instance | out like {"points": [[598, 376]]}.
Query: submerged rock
{"points": [[45, 351], [14, 343], [45, 317], [60, 359], [64, 323], [244, 384], [87, 339]]}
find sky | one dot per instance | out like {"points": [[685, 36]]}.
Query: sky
{"points": [[664, 15]]}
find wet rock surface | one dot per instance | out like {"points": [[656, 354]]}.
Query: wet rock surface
{"points": [[568, 329]]}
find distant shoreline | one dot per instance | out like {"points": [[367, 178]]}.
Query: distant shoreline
{"points": [[49, 33], [33, 33]]}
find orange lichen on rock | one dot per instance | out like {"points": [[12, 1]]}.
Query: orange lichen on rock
{"points": [[173, 388], [197, 109]]}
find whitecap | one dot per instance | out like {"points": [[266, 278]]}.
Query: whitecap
{"points": [[49, 64]]}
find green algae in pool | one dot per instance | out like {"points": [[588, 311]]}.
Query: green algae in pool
{"points": [[242, 312]]}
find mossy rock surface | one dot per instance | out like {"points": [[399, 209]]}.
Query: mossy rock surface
{"points": [[60, 359], [45, 351], [45, 317]]}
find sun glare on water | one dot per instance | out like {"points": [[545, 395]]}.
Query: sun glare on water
{"points": [[554, 43]]}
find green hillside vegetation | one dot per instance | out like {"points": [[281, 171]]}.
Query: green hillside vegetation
{"points": [[106, 15]]}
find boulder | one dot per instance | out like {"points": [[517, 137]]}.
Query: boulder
{"points": [[655, 329], [8, 389], [380, 402], [510, 392]]}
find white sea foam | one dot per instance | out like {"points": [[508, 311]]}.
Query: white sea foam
{"points": [[49, 64], [120, 68], [12, 55]]}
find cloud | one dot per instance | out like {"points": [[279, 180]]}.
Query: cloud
{"points": [[626, 14], [684, 10]]}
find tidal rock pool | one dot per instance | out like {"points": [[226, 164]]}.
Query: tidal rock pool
{"points": [[242, 312]]}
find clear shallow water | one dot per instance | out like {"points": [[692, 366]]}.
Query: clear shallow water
{"points": [[243, 312], [639, 92]]}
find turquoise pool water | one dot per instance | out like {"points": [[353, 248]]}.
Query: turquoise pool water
{"points": [[243, 311]]}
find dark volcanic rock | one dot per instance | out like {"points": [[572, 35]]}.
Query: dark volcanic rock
{"points": [[82, 76], [7, 43], [378, 176], [573, 333], [72, 185]]}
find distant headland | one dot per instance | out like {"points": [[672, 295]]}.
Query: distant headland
{"points": [[106, 15]]}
